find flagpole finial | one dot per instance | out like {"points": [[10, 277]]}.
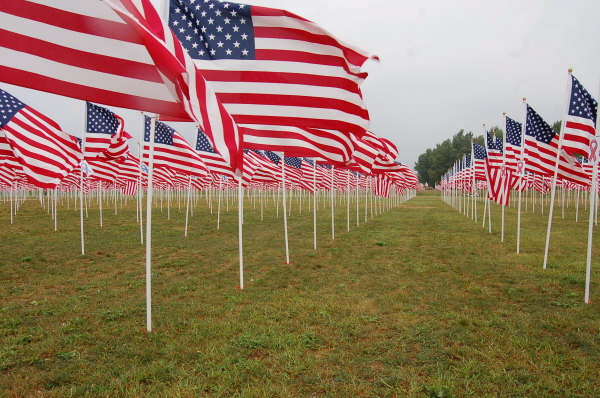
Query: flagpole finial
{"points": [[570, 70], [524, 99], [503, 113]]}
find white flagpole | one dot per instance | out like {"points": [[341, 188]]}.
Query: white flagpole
{"points": [[11, 203], [332, 206], [315, 204], [593, 203], [55, 209], [285, 215], [348, 201], [187, 204], [240, 245], [81, 181], [503, 177], [219, 203], [357, 200], [553, 192], [153, 120], [521, 166]]}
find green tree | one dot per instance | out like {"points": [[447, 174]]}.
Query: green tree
{"points": [[435, 162]]}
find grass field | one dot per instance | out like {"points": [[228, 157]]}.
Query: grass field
{"points": [[420, 301]]}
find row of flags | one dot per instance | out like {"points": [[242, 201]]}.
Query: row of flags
{"points": [[533, 149], [104, 154]]}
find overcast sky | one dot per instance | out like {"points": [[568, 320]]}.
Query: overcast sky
{"points": [[445, 65]]}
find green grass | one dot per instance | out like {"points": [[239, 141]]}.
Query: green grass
{"points": [[420, 301]]}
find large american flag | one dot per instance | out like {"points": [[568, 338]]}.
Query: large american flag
{"points": [[45, 153], [541, 147], [104, 136], [278, 74], [114, 52], [580, 122], [172, 151], [513, 144]]}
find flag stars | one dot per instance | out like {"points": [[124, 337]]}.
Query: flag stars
{"points": [[227, 20], [236, 44], [228, 52], [220, 44], [219, 29], [236, 28], [227, 36]]}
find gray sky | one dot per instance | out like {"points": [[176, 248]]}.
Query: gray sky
{"points": [[445, 65]]}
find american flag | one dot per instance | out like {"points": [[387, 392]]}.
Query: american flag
{"points": [[479, 156], [541, 147], [105, 136], [46, 153], [293, 169], [214, 161], [172, 151], [114, 52], [364, 155], [513, 143], [278, 74], [580, 123], [494, 150]]}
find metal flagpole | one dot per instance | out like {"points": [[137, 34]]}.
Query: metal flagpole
{"points": [[553, 192], [153, 121], [285, 215]]}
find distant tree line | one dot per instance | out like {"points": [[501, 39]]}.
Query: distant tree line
{"points": [[434, 162]]}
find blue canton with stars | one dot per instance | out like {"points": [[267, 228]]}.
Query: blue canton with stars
{"points": [[273, 156], [513, 132], [309, 161], [493, 142], [293, 161], [162, 135], [100, 120], [202, 143], [582, 104], [210, 30], [9, 106], [479, 152], [537, 127], [467, 160]]}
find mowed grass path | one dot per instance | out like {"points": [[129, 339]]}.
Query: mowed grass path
{"points": [[420, 301]]}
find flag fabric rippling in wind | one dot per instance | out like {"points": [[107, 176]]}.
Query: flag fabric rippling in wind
{"points": [[171, 150], [45, 153], [105, 136], [541, 148], [113, 52], [278, 74], [580, 122]]}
